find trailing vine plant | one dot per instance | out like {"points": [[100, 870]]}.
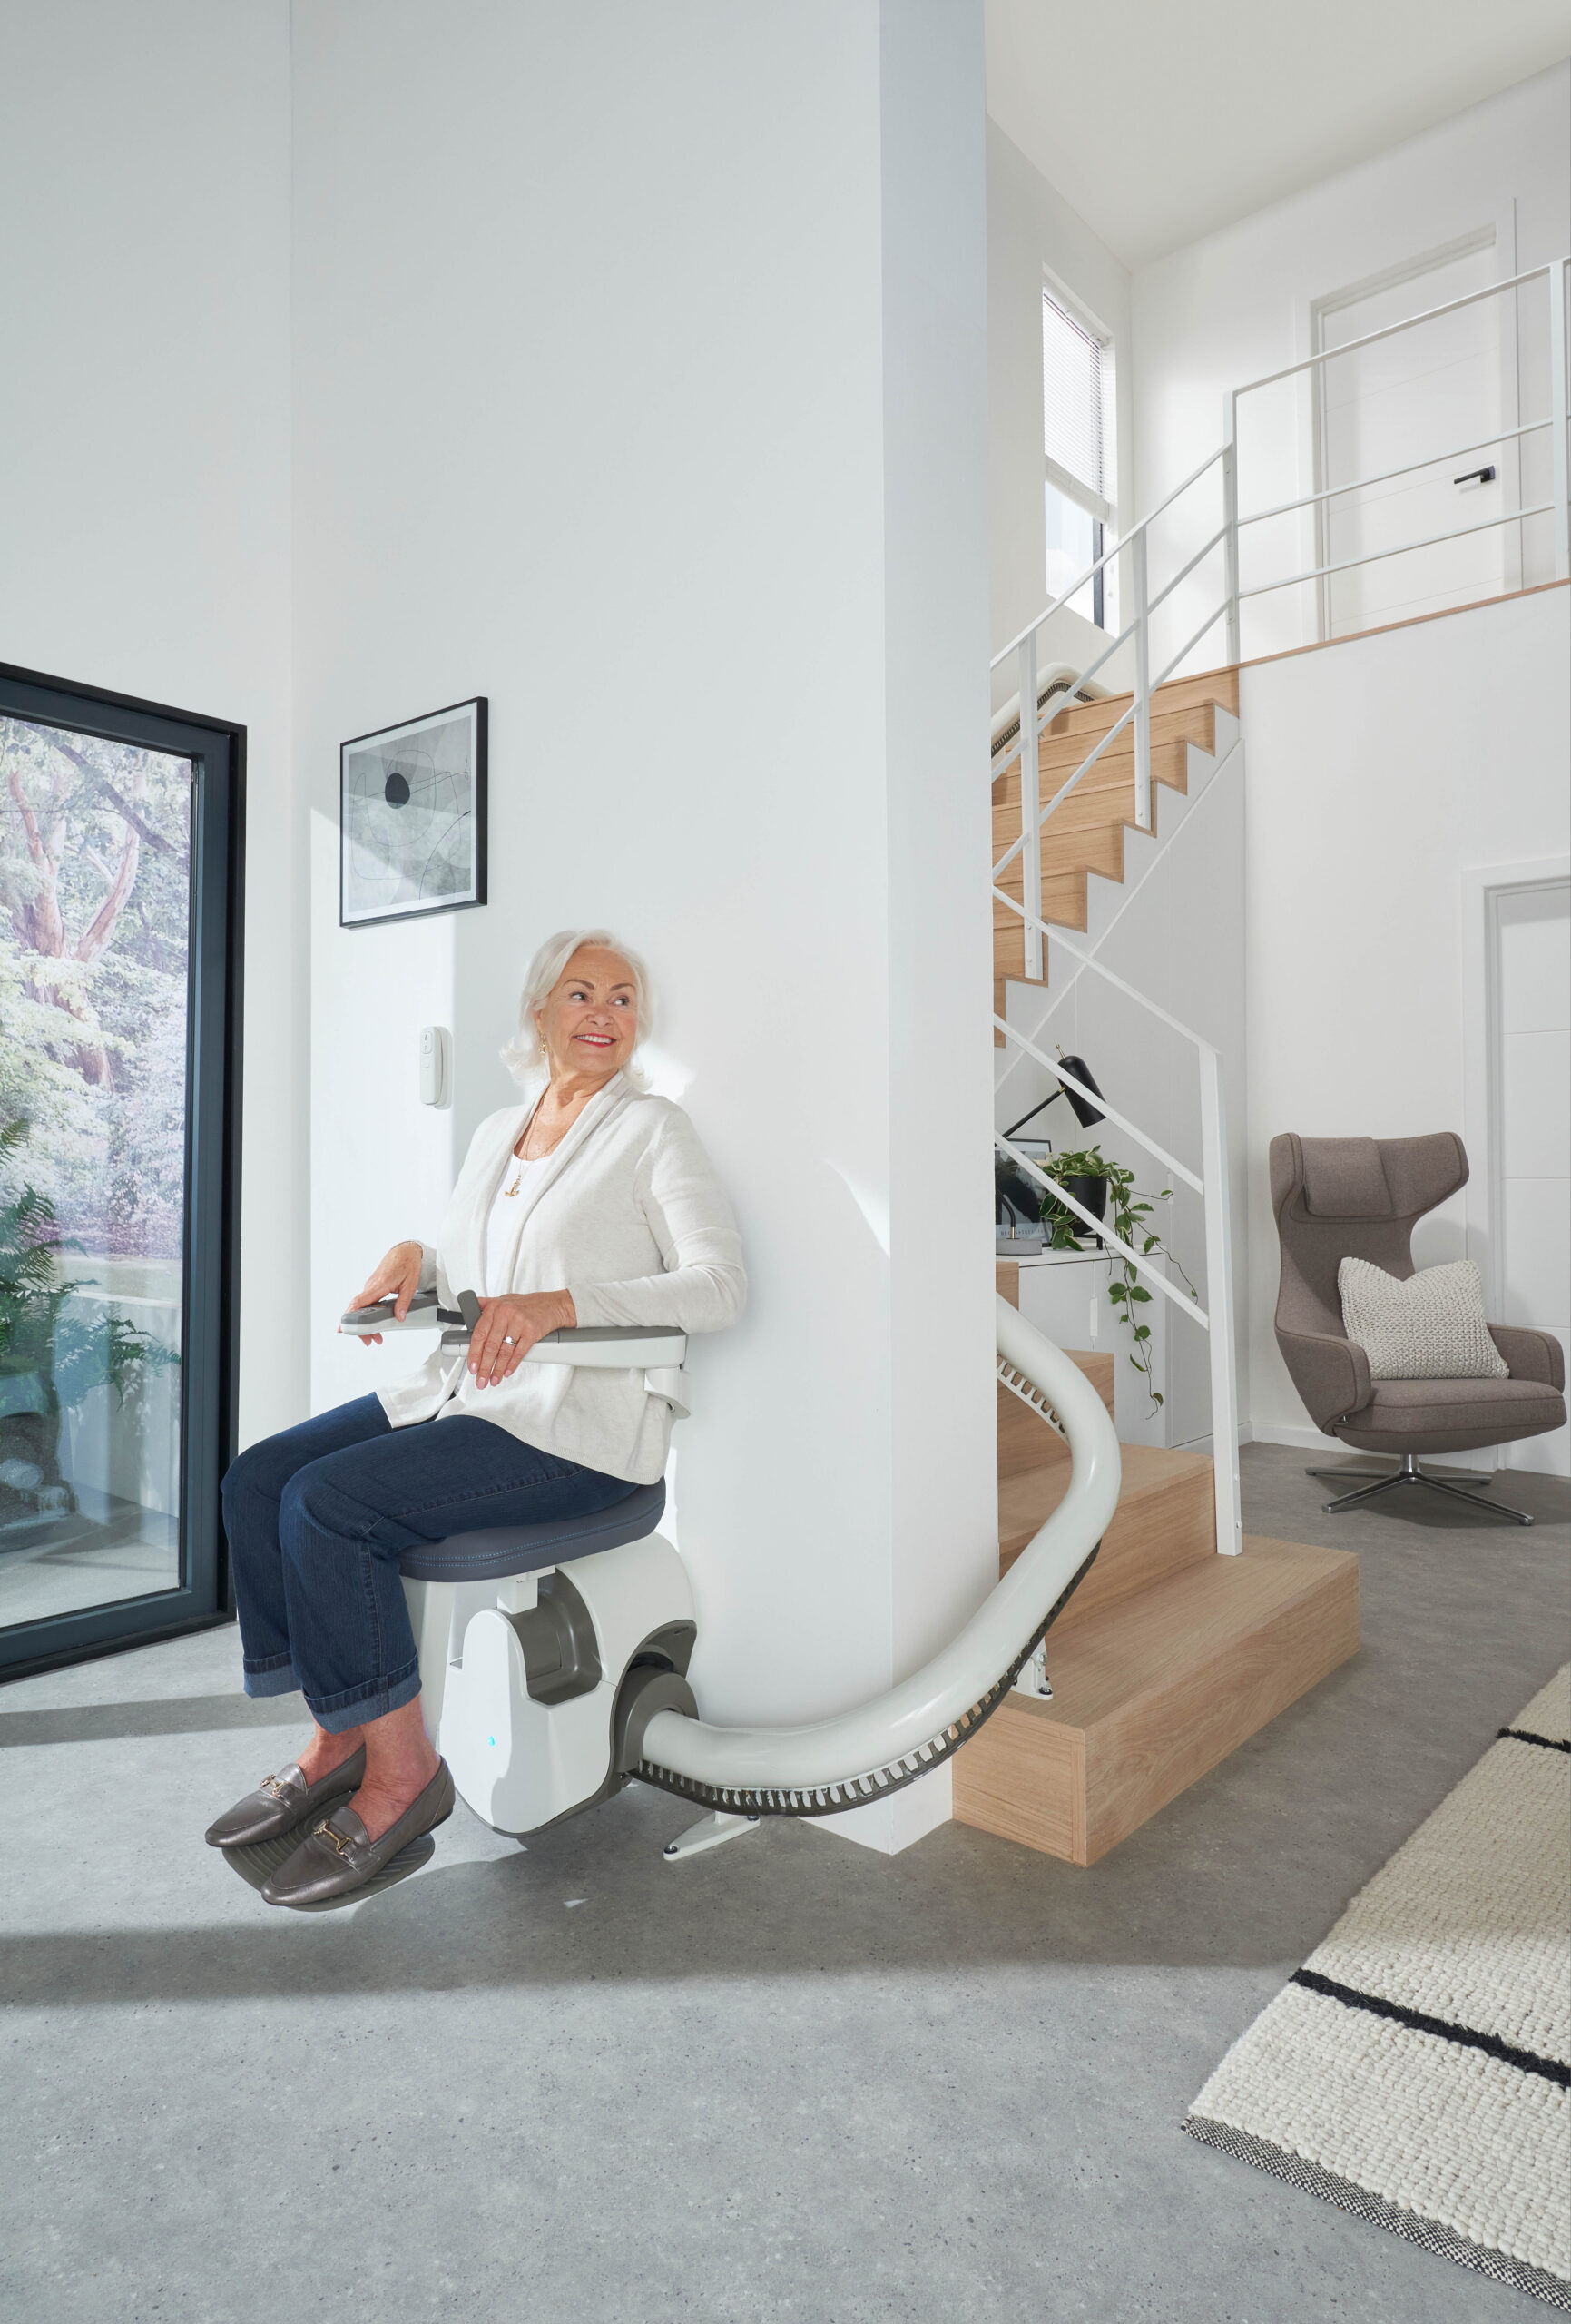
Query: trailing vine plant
{"points": [[1129, 1213]]}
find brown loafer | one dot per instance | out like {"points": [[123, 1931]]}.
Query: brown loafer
{"points": [[283, 1800], [341, 1856]]}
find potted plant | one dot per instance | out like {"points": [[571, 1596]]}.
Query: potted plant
{"points": [[1131, 1212]]}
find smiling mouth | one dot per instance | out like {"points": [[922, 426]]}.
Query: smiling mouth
{"points": [[596, 1041]]}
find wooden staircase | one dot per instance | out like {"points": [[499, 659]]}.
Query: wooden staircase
{"points": [[1086, 833], [1167, 1657]]}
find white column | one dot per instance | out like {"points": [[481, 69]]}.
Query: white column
{"points": [[711, 473]]}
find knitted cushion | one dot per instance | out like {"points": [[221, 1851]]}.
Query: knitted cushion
{"points": [[1430, 1327]]}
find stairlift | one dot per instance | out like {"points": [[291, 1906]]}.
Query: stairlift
{"points": [[554, 1659]]}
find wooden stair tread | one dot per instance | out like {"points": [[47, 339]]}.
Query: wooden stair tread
{"points": [[1085, 835], [1151, 1693], [1094, 718], [1028, 1498], [1132, 1651], [1166, 1522], [1027, 1442]]}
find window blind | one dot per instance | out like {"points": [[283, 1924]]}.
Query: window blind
{"points": [[1072, 395]]}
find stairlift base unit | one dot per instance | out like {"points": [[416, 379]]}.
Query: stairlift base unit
{"points": [[556, 1679]]}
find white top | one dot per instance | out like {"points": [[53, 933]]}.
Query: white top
{"points": [[626, 1214], [518, 1180]]}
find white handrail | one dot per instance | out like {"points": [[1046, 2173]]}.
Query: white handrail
{"points": [[1102, 1232], [1056, 1067], [1403, 548], [1107, 555], [1389, 330], [1089, 960], [861, 1753], [1086, 960], [1386, 475]]}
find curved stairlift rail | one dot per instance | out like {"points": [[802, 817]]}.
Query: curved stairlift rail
{"points": [[880, 1746]]}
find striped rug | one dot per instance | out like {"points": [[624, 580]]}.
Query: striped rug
{"points": [[1417, 2071]]}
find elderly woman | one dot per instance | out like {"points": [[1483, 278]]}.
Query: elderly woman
{"points": [[594, 1205]]}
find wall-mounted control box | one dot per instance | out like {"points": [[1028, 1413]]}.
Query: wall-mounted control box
{"points": [[436, 1065]]}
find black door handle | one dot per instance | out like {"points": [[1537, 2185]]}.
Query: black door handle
{"points": [[1476, 476]]}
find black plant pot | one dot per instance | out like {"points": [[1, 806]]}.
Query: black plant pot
{"points": [[1091, 1193]]}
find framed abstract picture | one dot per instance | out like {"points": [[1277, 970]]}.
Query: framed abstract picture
{"points": [[412, 832]]}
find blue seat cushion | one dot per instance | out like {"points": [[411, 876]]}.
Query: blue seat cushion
{"points": [[495, 1551]]}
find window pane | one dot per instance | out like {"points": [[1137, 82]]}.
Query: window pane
{"points": [[94, 913], [1071, 548], [1072, 397]]}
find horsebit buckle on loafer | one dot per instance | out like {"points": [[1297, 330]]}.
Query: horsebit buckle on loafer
{"points": [[275, 1784], [340, 1840]]}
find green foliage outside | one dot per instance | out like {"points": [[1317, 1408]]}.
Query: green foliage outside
{"points": [[51, 1352], [94, 905]]}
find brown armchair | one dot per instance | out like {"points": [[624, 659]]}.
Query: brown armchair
{"points": [[1360, 1197]]}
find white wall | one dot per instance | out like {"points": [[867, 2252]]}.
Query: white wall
{"points": [[1379, 776], [144, 474], [1031, 227], [1235, 307], [652, 404]]}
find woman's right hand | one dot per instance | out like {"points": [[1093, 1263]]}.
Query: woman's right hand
{"points": [[399, 1274]]}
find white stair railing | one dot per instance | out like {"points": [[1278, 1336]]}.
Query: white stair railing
{"points": [[1216, 1317], [1023, 748]]}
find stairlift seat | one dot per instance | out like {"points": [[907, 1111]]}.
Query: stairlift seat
{"points": [[495, 1552]]}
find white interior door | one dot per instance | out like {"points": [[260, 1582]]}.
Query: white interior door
{"points": [[1532, 1019], [1417, 397]]}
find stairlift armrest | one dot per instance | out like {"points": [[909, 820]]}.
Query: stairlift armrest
{"points": [[652, 1349], [1530, 1354], [613, 1347], [1332, 1375], [424, 1315]]}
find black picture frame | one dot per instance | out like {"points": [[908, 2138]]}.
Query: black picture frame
{"points": [[210, 1256], [369, 763]]}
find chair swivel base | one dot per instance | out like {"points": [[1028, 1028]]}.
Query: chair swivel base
{"points": [[1410, 1473], [262, 1858]]}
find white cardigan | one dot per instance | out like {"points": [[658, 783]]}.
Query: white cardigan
{"points": [[632, 1220]]}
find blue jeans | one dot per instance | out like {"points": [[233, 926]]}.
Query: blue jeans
{"points": [[318, 1518]]}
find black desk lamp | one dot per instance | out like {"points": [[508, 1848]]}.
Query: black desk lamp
{"points": [[1085, 1113]]}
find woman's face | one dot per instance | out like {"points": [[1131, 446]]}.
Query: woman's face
{"points": [[589, 1024]]}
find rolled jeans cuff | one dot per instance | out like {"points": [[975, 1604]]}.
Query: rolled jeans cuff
{"points": [[357, 1706], [274, 1677]]}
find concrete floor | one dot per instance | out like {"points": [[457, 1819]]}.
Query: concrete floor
{"points": [[788, 2079]]}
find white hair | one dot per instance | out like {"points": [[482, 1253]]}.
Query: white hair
{"points": [[523, 1056]]}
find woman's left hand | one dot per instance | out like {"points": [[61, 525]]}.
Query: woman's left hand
{"points": [[508, 1328]]}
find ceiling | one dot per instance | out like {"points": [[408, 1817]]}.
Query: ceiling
{"points": [[1160, 121]]}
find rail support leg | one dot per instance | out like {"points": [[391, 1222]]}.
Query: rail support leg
{"points": [[709, 1834]]}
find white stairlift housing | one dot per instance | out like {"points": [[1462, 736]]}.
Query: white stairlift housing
{"points": [[550, 1680]]}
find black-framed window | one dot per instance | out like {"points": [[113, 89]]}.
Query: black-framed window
{"points": [[122, 839]]}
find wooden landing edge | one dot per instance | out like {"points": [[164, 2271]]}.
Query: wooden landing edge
{"points": [[1154, 1693]]}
